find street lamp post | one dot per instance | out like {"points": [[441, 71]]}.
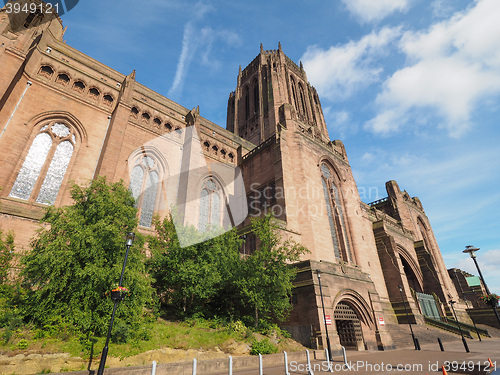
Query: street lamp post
{"points": [[458, 324], [104, 355], [472, 250], [465, 299], [415, 340], [324, 316]]}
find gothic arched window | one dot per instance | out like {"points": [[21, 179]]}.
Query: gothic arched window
{"points": [[144, 184], [255, 97], [294, 94], [247, 103], [423, 232], [210, 206], [302, 100], [43, 170], [335, 214]]}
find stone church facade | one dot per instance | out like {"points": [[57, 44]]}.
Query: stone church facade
{"points": [[66, 117]]}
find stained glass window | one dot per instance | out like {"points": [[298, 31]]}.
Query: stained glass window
{"points": [[47, 159], [204, 210], [136, 182], [329, 212], [148, 204], [210, 205], [335, 214], [342, 220], [144, 184], [60, 130], [55, 174]]}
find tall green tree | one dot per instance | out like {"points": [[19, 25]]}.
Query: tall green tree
{"points": [[192, 279], [213, 278], [266, 280], [78, 255]]}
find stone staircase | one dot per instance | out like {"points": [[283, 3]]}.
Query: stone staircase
{"points": [[426, 334]]}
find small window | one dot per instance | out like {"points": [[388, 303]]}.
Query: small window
{"points": [[215, 149], [46, 71], [79, 86], [62, 79], [145, 117], [94, 93], [223, 153], [231, 157], [206, 146], [29, 20], [108, 99], [134, 112], [168, 126], [157, 122]]}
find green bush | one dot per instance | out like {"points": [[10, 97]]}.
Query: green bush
{"points": [[238, 327], [263, 347], [121, 332], [23, 344], [144, 334]]}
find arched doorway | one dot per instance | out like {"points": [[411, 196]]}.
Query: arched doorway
{"points": [[410, 269], [411, 277], [348, 326]]}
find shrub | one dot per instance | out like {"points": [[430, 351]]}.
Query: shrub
{"points": [[237, 327], [23, 344], [121, 332], [263, 347]]}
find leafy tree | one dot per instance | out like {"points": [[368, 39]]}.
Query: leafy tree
{"points": [[212, 277], [6, 255], [192, 278], [10, 318], [78, 256], [266, 279]]}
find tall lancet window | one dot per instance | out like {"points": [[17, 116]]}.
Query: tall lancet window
{"points": [[255, 97], [210, 206], [247, 103], [341, 246], [43, 170], [144, 185]]}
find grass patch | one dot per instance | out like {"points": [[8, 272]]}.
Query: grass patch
{"points": [[177, 335]]}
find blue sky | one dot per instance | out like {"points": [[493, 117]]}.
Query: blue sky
{"points": [[410, 86]]}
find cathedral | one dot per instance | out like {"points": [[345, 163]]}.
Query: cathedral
{"points": [[65, 117]]}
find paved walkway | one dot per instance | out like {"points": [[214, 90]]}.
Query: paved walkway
{"points": [[401, 361], [404, 361]]}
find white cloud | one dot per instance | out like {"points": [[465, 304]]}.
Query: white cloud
{"points": [[185, 58], [208, 36], [454, 64], [340, 124], [339, 71], [199, 41], [441, 8], [375, 10]]}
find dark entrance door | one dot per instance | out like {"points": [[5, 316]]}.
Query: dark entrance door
{"points": [[348, 326], [347, 334]]}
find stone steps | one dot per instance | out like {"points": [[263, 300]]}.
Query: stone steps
{"points": [[426, 334]]}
